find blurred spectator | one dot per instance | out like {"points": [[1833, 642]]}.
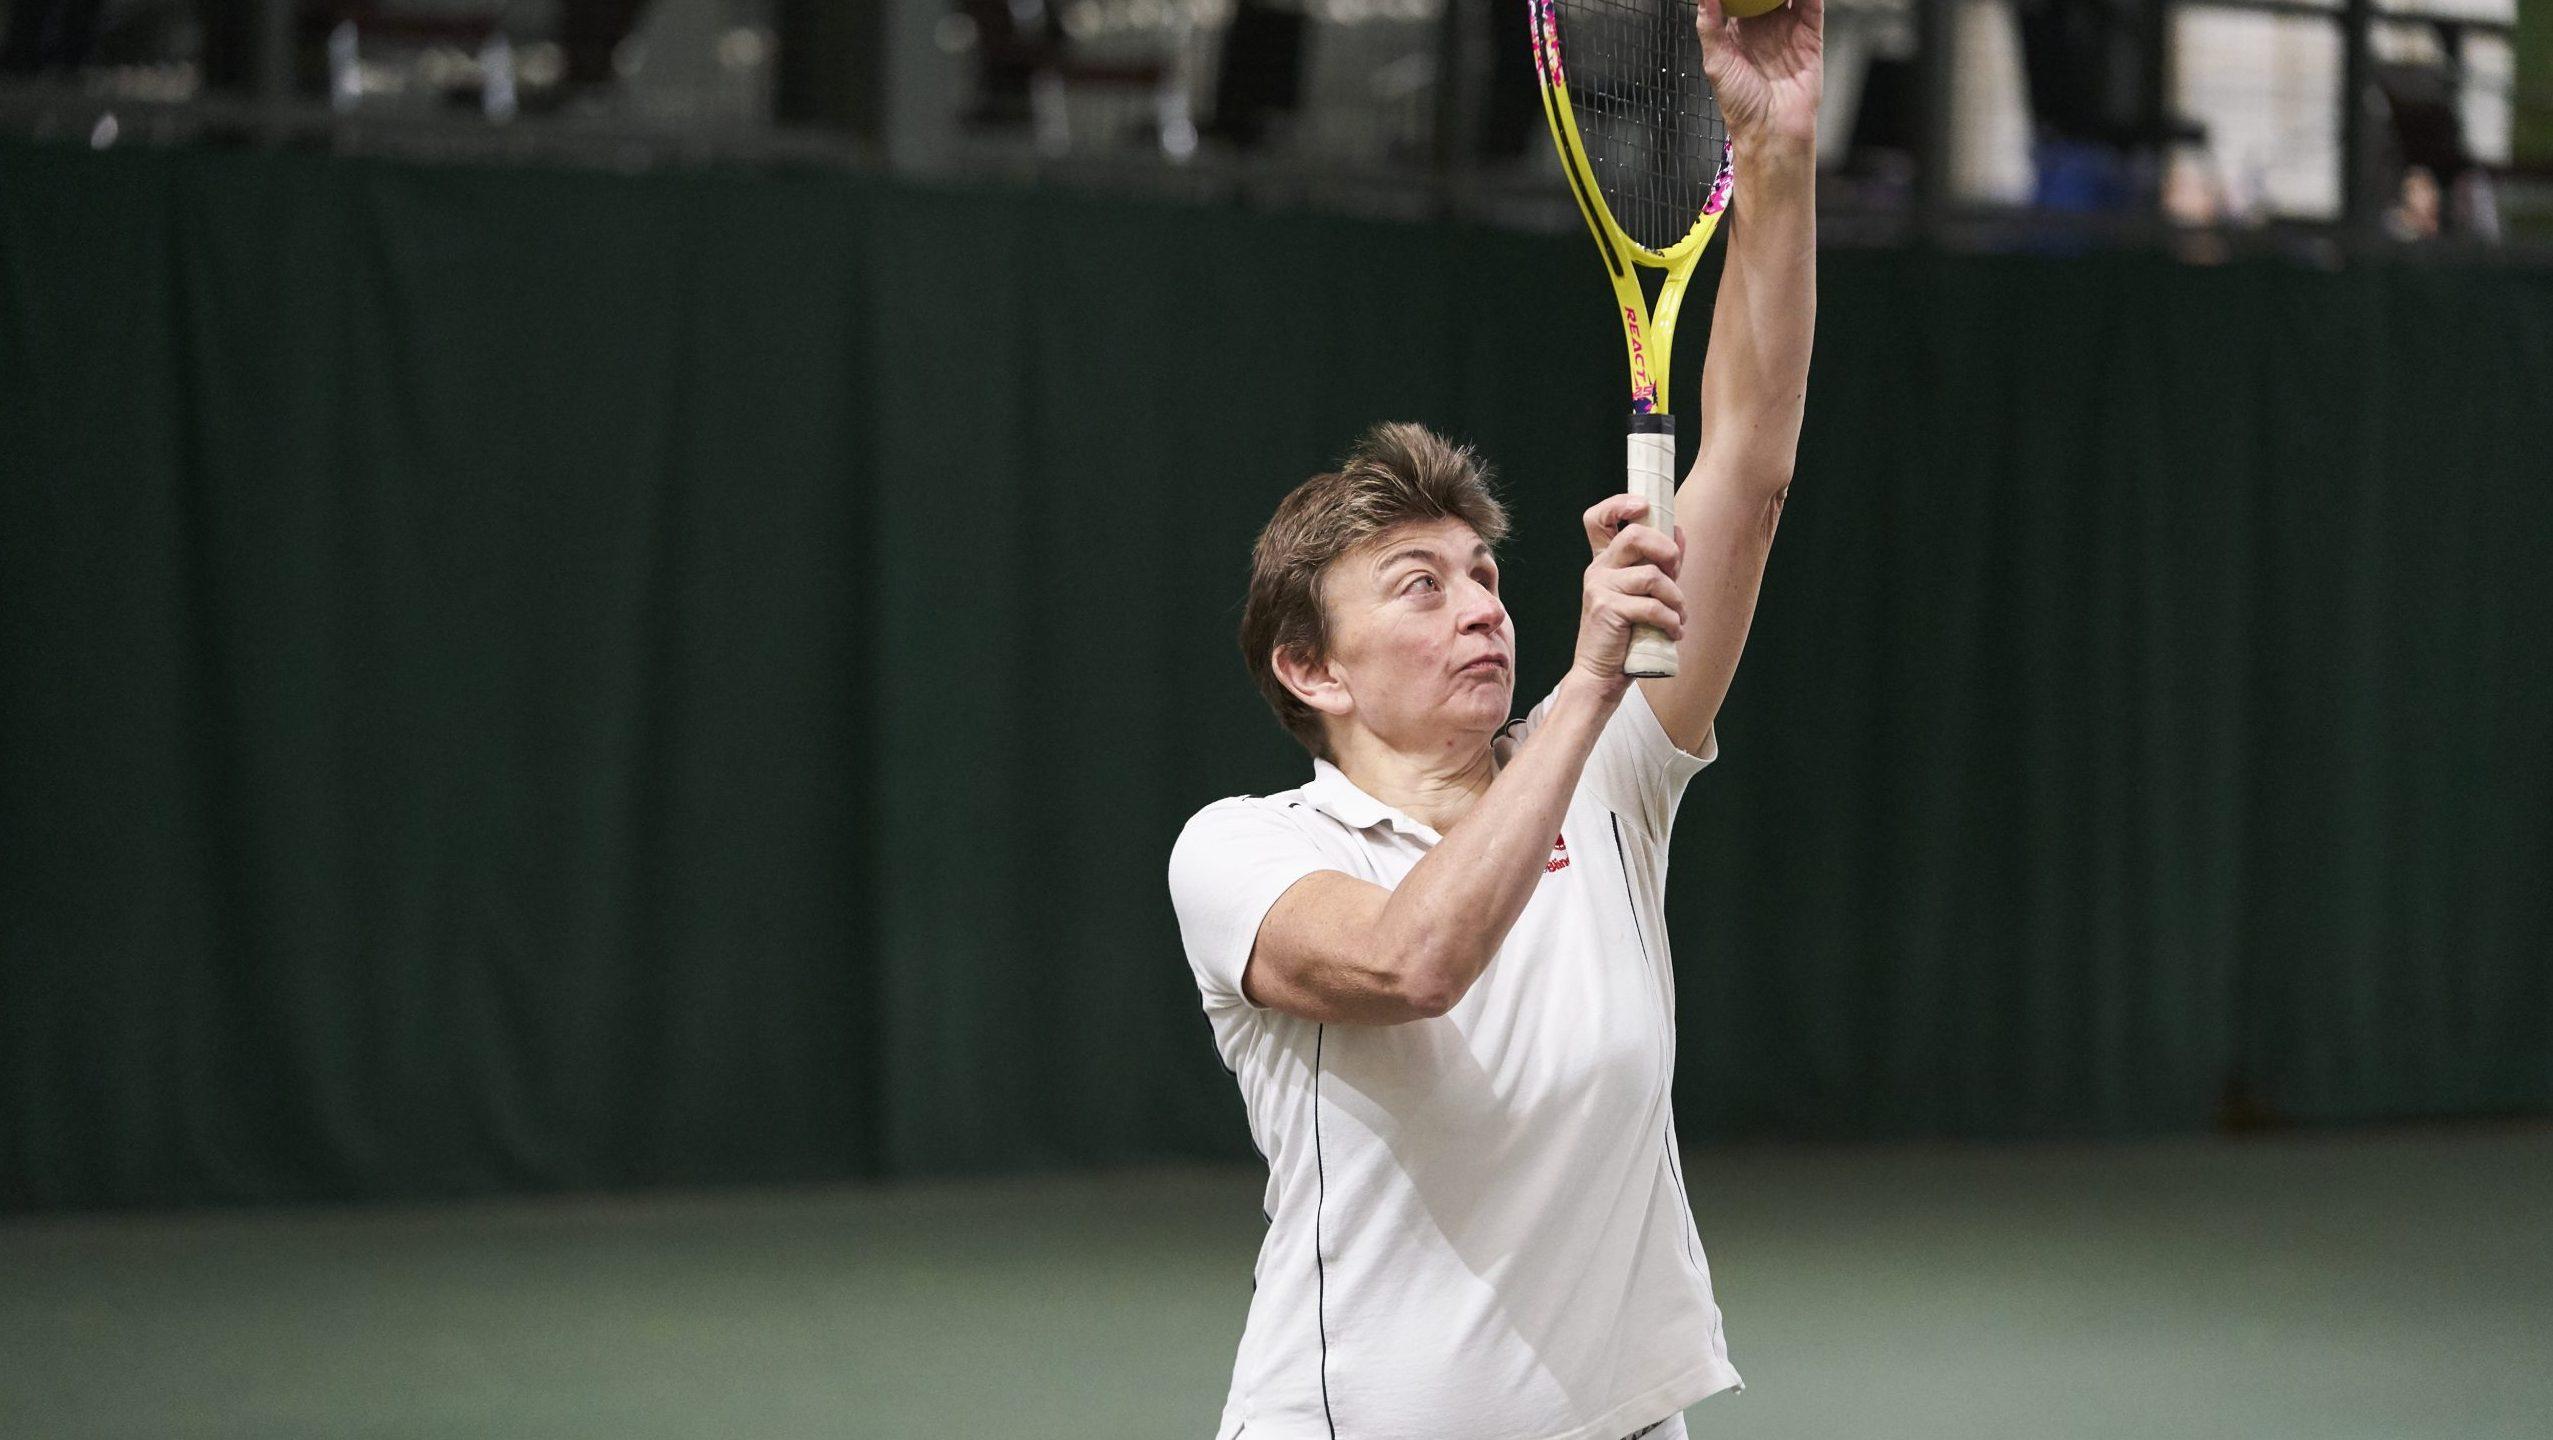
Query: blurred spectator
{"points": [[2414, 215], [1260, 80], [2084, 177], [2194, 203], [1013, 44], [591, 32]]}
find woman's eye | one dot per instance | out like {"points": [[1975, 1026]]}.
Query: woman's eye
{"points": [[1418, 580]]}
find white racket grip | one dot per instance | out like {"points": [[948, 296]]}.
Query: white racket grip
{"points": [[1651, 476]]}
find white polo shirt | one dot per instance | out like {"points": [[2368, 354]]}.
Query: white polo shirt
{"points": [[1477, 1224]]}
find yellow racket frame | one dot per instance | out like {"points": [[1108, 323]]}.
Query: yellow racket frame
{"points": [[1648, 336]]}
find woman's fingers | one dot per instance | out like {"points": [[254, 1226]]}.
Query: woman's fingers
{"points": [[1640, 545], [1607, 517], [1630, 582], [1638, 585], [1643, 580], [1657, 614], [1619, 534]]}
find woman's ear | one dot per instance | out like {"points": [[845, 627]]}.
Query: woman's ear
{"points": [[1314, 682]]}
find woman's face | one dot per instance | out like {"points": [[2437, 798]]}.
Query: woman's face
{"points": [[1419, 639]]}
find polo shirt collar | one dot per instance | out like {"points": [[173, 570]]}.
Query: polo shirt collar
{"points": [[1336, 796]]}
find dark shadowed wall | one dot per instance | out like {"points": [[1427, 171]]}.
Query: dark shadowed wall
{"points": [[527, 679]]}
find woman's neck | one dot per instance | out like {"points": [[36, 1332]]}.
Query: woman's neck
{"points": [[1435, 785]]}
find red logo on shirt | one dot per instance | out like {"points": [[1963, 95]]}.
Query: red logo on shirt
{"points": [[1559, 854]]}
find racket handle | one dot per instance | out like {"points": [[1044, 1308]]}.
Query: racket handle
{"points": [[1651, 476]]}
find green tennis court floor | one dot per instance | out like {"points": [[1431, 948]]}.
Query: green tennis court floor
{"points": [[2326, 1285]]}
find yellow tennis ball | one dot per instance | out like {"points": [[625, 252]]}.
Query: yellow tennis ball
{"points": [[1748, 9]]}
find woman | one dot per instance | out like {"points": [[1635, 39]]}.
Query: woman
{"points": [[1439, 970]]}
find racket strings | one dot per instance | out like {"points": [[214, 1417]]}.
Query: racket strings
{"points": [[1646, 116]]}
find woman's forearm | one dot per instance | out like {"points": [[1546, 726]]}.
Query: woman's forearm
{"points": [[1449, 915]]}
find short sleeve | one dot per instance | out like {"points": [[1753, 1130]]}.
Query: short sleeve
{"points": [[1231, 863], [1634, 768]]}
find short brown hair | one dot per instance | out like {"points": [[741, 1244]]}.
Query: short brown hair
{"points": [[1396, 474]]}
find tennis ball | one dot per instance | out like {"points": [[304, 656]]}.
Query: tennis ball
{"points": [[1747, 9]]}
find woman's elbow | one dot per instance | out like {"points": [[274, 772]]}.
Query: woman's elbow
{"points": [[1425, 1002], [1426, 987]]}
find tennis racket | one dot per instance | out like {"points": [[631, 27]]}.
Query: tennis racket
{"points": [[1647, 156]]}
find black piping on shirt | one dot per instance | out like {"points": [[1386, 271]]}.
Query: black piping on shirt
{"points": [[1320, 1195], [1666, 1136]]}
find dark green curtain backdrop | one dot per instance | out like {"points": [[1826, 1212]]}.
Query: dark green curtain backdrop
{"points": [[525, 679]]}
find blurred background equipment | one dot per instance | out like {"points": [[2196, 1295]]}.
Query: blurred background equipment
{"points": [[1969, 121]]}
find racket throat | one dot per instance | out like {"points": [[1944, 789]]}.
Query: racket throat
{"points": [[1648, 330]]}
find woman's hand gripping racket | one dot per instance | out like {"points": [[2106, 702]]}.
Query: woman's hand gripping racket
{"points": [[1648, 158]]}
